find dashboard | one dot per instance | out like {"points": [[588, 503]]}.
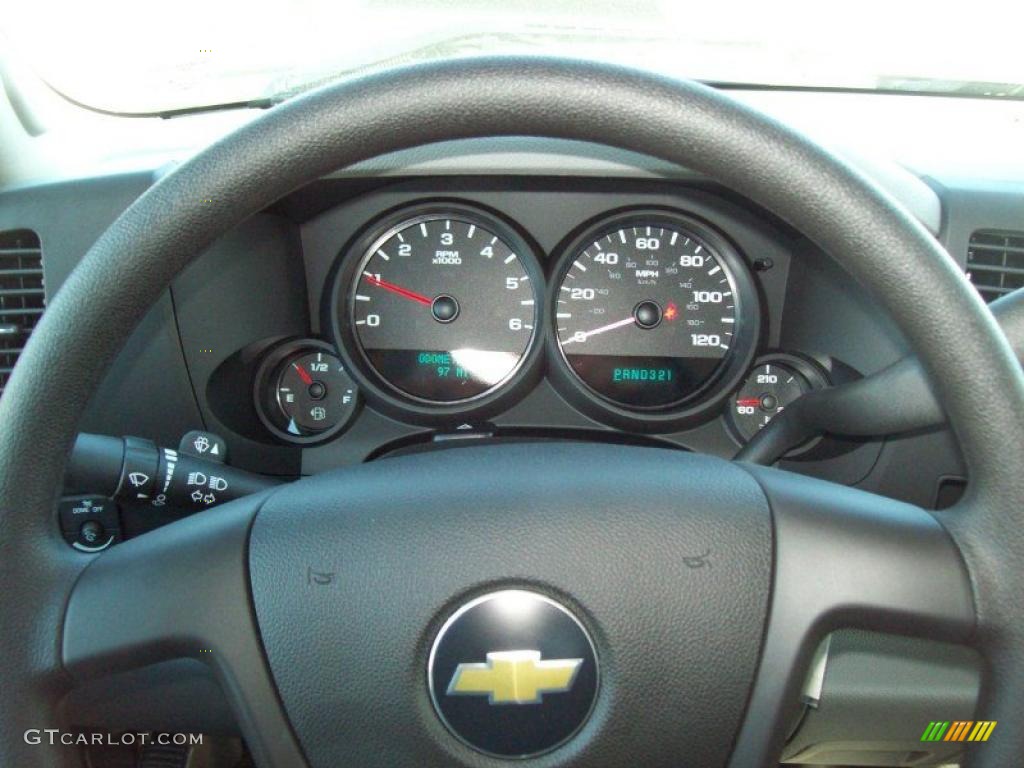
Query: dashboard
{"points": [[304, 349]]}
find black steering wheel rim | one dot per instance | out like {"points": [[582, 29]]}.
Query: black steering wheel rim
{"points": [[872, 237]]}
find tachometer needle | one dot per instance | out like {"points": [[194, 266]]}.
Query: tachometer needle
{"points": [[583, 336], [405, 293]]}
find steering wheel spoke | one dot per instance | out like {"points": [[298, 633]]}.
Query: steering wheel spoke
{"points": [[183, 592], [844, 558]]}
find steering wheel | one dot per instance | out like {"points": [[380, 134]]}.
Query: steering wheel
{"points": [[702, 586]]}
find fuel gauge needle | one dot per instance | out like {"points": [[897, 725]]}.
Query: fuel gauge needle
{"points": [[303, 374], [610, 327]]}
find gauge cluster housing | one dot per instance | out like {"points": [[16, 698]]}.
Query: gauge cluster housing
{"points": [[547, 218], [354, 290]]}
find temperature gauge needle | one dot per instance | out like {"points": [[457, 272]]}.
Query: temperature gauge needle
{"points": [[405, 293], [753, 402]]}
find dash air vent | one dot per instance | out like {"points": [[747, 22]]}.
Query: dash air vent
{"points": [[995, 262], [21, 294]]}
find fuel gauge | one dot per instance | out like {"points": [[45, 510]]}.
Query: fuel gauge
{"points": [[305, 394]]}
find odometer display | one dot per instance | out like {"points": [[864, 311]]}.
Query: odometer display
{"points": [[646, 312], [443, 308]]}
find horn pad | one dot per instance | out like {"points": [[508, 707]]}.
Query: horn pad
{"points": [[659, 561]]}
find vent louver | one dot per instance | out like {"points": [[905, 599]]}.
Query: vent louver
{"points": [[995, 262], [21, 294]]}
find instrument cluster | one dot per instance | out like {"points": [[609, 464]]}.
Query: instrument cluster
{"points": [[645, 319]]}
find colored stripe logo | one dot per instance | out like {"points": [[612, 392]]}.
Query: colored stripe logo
{"points": [[958, 730]]}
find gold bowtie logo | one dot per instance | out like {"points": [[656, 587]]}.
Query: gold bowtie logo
{"points": [[514, 677]]}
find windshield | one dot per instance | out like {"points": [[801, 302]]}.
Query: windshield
{"points": [[126, 56]]}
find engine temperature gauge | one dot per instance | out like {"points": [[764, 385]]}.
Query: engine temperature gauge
{"points": [[771, 386], [306, 394]]}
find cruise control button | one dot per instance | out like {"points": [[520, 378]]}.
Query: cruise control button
{"points": [[92, 537], [91, 532]]}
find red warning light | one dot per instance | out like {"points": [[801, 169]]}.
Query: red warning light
{"points": [[671, 311]]}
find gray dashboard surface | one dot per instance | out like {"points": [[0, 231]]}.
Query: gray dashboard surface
{"points": [[69, 217], [525, 155]]}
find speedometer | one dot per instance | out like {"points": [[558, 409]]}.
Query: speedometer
{"points": [[651, 309], [442, 307]]}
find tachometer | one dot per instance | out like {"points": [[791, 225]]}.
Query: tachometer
{"points": [[651, 309], [443, 307]]}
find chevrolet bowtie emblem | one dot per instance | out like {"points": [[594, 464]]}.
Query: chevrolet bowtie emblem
{"points": [[501, 652], [514, 677]]}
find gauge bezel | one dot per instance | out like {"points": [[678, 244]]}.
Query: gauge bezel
{"points": [[265, 390], [698, 406], [386, 396], [815, 376]]}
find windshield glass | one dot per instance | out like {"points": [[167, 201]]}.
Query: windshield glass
{"points": [[129, 57]]}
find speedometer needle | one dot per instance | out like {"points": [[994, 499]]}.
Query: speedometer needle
{"points": [[405, 293], [583, 336]]}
